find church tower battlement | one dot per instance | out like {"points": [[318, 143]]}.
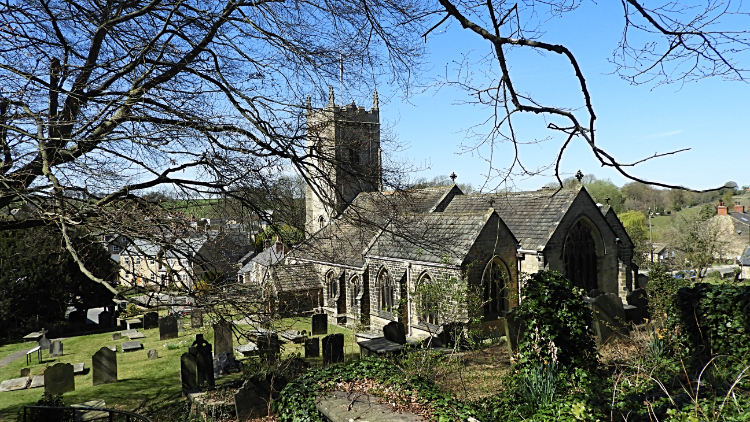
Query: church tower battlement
{"points": [[343, 144]]}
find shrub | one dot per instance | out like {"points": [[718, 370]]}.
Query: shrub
{"points": [[661, 289], [557, 323]]}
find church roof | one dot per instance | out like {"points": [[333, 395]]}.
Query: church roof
{"points": [[340, 242], [434, 237], [531, 216], [289, 278]]}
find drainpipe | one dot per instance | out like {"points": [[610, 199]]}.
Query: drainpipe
{"points": [[408, 298]]}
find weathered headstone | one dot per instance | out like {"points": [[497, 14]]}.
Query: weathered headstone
{"points": [[14, 384], [131, 346], [223, 337], [44, 341], [105, 319], [395, 332], [150, 320], [79, 368], [225, 363], [189, 370], [594, 293], [514, 328], [104, 366], [248, 403], [639, 299], [25, 372], [56, 348], [312, 347], [37, 381], [152, 354], [116, 336], [319, 324], [609, 317], [333, 348], [59, 379], [204, 360], [167, 327], [268, 346], [196, 318]]}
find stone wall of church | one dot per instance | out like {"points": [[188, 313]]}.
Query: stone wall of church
{"points": [[607, 263]]}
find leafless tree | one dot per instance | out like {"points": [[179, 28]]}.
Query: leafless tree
{"points": [[104, 102], [662, 42]]}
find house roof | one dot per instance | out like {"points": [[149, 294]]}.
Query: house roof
{"points": [[740, 217], [531, 216], [433, 237], [180, 248], [268, 257], [659, 247], [745, 257]]}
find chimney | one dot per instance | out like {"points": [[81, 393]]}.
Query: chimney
{"points": [[738, 207], [721, 209], [267, 243], [279, 246]]}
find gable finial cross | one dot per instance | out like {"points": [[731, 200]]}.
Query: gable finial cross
{"points": [[579, 176], [453, 176]]}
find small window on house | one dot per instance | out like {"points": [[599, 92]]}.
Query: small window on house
{"points": [[153, 277], [138, 261], [116, 248], [150, 262]]}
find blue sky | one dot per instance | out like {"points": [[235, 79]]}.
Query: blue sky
{"points": [[709, 116]]}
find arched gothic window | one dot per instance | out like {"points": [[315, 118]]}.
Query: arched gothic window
{"points": [[355, 288], [332, 286], [495, 288], [386, 291], [428, 303], [321, 222], [580, 257]]}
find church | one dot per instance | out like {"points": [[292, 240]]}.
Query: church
{"points": [[382, 256]]}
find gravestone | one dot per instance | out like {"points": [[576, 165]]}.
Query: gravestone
{"points": [[150, 320], [104, 366], [204, 361], [196, 318], [225, 363], [594, 293], [59, 379], [14, 384], [312, 347], [44, 341], [514, 328], [268, 346], [152, 354], [25, 372], [104, 319], [167, 327], [333, 348], [248, 403], [639, 299], [78, 317], [131, 346], [189, 370], [56, 349], [116, 336], [223, 337], [246, 349], [319, 324], [395, 332], [609, 317], [79, 368], [37, 381]]}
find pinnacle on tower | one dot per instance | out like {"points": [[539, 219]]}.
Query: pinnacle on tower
{"points": [[308, 105], [330, 97], [375, 100]]}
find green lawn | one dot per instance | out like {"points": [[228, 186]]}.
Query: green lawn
{"points": [[142, 383]]}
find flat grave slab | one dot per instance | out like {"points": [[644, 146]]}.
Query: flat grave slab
{"points": [[134, 323], [14, 384], [128, 333], [32, 337], [368, 335], [37, 381], [131, 346], [91, 415], [378, 346], [136, 335], [246, 349], [79, 368], [294, 336]]}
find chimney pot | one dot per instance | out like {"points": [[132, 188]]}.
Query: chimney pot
{"points": [[738, 207]]}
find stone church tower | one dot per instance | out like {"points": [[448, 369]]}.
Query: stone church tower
{"points": [[343, 143]]}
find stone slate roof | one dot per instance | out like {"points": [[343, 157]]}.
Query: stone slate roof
{"points": [[742, 218], [531, 216], [181, 248], [745, 257], [433, 237], [289, 278], [345, 239], [269, 256]]}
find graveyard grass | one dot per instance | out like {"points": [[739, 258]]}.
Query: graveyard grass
{"points": [[144, 386]]}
